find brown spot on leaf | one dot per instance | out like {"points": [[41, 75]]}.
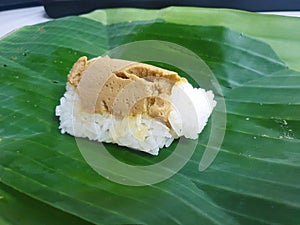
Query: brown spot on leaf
{"points": [[41, 29]]}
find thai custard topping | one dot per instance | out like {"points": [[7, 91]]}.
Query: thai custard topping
{"points": [[123, 88]]}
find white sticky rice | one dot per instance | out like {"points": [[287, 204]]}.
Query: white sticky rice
{"points": [[191, 108]]}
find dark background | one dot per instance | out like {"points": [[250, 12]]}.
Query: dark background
{"points": [[58, 8]]}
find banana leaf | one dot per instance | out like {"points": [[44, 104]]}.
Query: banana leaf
{"points": [[253, 180]]}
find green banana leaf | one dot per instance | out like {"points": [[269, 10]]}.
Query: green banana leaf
{"points": [[253, 180], [17, 208]]}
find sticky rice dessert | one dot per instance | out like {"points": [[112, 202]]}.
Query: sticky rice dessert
{"points": [[132, 104]]}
